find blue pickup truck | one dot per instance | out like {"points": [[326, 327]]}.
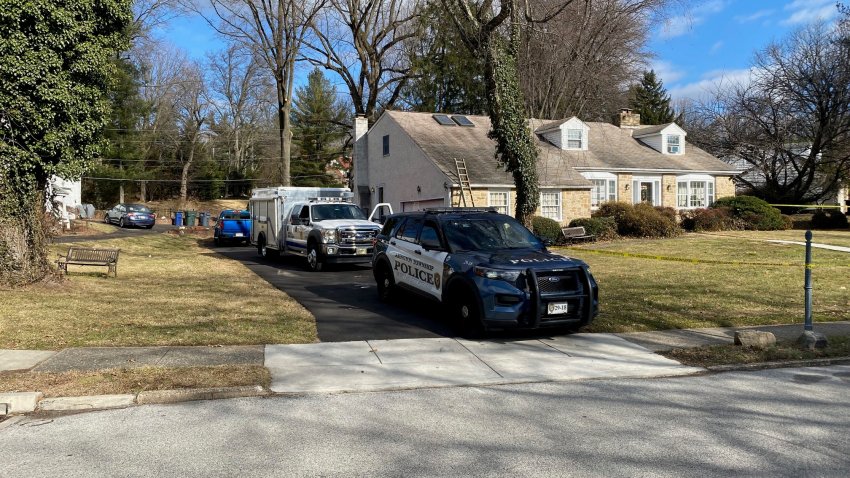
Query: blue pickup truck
{"points": [[232, 226]]}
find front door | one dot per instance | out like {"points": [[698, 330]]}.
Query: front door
{"points": [[646, 192]]}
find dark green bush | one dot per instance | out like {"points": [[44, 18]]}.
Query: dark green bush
{"points": [[755, 214], [545, 228], [604, 228], [829, 220], [714, 219]]}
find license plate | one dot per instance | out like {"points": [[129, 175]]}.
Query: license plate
{"points": [[361, 251], [238, 234], [556, 308]]}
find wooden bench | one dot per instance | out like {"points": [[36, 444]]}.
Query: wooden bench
{"points": [[576, 234], [86, 256]]}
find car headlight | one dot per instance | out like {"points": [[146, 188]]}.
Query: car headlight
{"points": [[329, 236], [498, 274]]}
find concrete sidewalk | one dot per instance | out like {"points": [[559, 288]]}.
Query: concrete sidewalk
{"points": [[409, 363], [441, 362]]}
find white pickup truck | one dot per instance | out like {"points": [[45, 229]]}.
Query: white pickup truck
{"points": [[319, 224]]}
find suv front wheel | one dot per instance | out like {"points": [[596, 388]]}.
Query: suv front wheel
{"points": [[386, 283], [467, 314]]}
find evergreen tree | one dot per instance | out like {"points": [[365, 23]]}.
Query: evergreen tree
{"points": [[445, 75], [650, 99], [319, 127]]}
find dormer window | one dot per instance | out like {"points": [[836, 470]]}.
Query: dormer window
{"points": [[673, 144], [574, 139]]}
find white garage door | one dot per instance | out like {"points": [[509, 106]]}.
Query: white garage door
{"points": [[423, 204]]}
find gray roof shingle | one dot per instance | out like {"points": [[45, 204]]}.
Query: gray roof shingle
{"points": [[610, 148]]}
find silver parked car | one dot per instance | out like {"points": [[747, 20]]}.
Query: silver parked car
{"points": [[130, 215]]}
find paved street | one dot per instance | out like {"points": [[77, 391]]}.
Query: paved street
{"points": [[784, 422]]}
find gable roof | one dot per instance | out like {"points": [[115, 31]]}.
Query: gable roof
{"points": [[442, 144], [610, 149]]}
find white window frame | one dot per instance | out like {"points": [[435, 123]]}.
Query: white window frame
{"points": [[560, 208], [678, 144], [656, 189], [611, 186], [709, 194], [507, 194], [580, 139]]}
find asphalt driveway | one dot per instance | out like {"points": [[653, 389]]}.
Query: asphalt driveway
{"points": [[344, 300]]}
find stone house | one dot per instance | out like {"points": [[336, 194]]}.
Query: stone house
{"points": [[411, 160]]}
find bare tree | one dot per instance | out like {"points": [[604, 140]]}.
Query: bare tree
{"points": [[239, 110], [494, 32], [193, 109], [361, 40], [275, 30], [789, 128], [580, 62]]}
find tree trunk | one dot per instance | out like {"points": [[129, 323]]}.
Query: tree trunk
{"points": [[184, 176], [143, 186], [24, 231]]}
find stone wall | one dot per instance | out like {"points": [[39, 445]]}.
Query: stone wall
{"points": [[624, 181], [574, 203], [725, 186], [668, 190]]}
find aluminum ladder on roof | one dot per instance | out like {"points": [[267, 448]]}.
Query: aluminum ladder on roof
{"points": [[463, 178]]}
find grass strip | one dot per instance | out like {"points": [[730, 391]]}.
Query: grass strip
{"points": [[839, 346], [133, 380]]}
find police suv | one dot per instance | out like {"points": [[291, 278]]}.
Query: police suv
{"points": [[490, 270]]}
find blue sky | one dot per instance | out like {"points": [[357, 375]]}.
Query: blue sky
{"points": [[703, 42], [715, 40]]}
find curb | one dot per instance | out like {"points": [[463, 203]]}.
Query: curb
{"points": [[785, 364], [195, 394], [110, 402]]}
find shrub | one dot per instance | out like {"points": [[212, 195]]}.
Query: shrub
{"points": [[668, 211], [755, 213], [829, 220], [615, 209], [545, 228], [714, 219], [645, 221], [604, 228]]}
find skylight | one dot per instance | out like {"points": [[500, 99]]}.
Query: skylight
{"points": [[443, 120], [462, 120]]}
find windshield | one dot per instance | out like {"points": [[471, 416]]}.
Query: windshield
{"points": [[322, 212], [488, 234], [137, 208], [236, 215]]}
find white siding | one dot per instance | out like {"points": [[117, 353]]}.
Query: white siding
{"points": [[402, 171], [655, 142]]}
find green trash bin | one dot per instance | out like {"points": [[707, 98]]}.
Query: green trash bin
{"points": [[190, 218]]}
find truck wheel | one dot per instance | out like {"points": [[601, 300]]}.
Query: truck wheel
{"points": [[467, 315], [386, 283], [314, 259], [216, 241]]}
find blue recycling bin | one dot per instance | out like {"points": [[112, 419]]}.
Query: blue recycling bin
{"points": [[178, 218]]}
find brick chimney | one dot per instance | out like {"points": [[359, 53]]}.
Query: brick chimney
{"points": [[626, 119]]}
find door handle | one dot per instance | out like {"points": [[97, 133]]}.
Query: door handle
{"points": [[417, 251]]}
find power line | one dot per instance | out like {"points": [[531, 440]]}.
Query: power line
{"points": [[199, 180]]}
